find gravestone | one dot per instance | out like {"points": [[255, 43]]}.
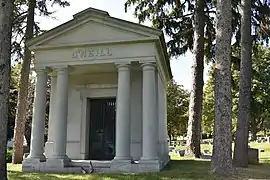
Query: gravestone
{"points": [[181, 153], [253, 156]]}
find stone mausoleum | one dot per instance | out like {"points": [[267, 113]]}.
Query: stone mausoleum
{"points": [[108, 101]]}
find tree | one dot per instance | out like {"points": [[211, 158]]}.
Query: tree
{"points": [[241, 141], [17, 156], [14, 88], [6, 8], [31, 29], [177, 19], [260, 101], [208, 104], [196, 96], [222, 144], [177, 109], [13, 96]]}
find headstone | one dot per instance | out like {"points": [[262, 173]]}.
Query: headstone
{"points": [[253, 156], [181, 153]]}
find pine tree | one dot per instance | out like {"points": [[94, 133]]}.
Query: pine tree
{"points": [[241, 141], [6, 8], [222, 143]]}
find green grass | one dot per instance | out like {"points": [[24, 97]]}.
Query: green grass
{"points": [[179, 168]]}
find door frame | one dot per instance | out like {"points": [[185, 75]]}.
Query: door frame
{"points": [[89, 100], [91, 91]]}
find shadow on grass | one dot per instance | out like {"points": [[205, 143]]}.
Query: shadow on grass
{"points": [[177, 169]]}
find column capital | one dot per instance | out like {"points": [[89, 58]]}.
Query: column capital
{"points": [[148, 66], [62, 68], [123, 66], [42, 70]]}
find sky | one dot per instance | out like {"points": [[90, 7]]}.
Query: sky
{"points": [[181, 67]]}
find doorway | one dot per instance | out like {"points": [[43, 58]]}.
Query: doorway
{"points": [[102, 129]]}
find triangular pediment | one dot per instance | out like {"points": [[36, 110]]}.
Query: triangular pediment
{"points": [[92, 32], [92, 26]]}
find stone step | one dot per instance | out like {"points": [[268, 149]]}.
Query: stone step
{"points": [[86, 163]]}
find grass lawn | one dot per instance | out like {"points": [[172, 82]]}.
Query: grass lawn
{"points": [[179, 168]]}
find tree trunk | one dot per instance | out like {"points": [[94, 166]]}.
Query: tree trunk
{"points": [[196, 96], [241, 142], [6, 8], [23, 90], [222, 143]]}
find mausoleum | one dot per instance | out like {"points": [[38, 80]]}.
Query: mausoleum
{"points": [[107, 102]]}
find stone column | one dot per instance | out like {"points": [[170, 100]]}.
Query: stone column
{"points": [[49, 143], [59, 157], [38, 123], [61, 110], [123, 114], [52, 108], [149, 111]]}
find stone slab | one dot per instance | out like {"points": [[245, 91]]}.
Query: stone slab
{"points": [[83, 166], [58, 163], [31, 165], [120, 165], [253, 156], [150, 165]]}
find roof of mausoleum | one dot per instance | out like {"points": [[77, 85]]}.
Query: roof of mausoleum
{"points": [[149, 33]]}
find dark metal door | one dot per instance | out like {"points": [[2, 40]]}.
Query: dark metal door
{"points": [[102, 129]]}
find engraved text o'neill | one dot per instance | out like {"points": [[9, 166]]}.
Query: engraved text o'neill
{"points": [[84, 53]]}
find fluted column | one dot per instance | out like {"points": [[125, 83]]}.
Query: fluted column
{"points": [[149, 110], [38, 123], [123, 113], [61, 110]]}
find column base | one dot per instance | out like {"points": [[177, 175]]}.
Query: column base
{"points": [[119, 158], [150, 165], [58, 161], [149, 158], [121, 165], [40, 158], [32, 164]]}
